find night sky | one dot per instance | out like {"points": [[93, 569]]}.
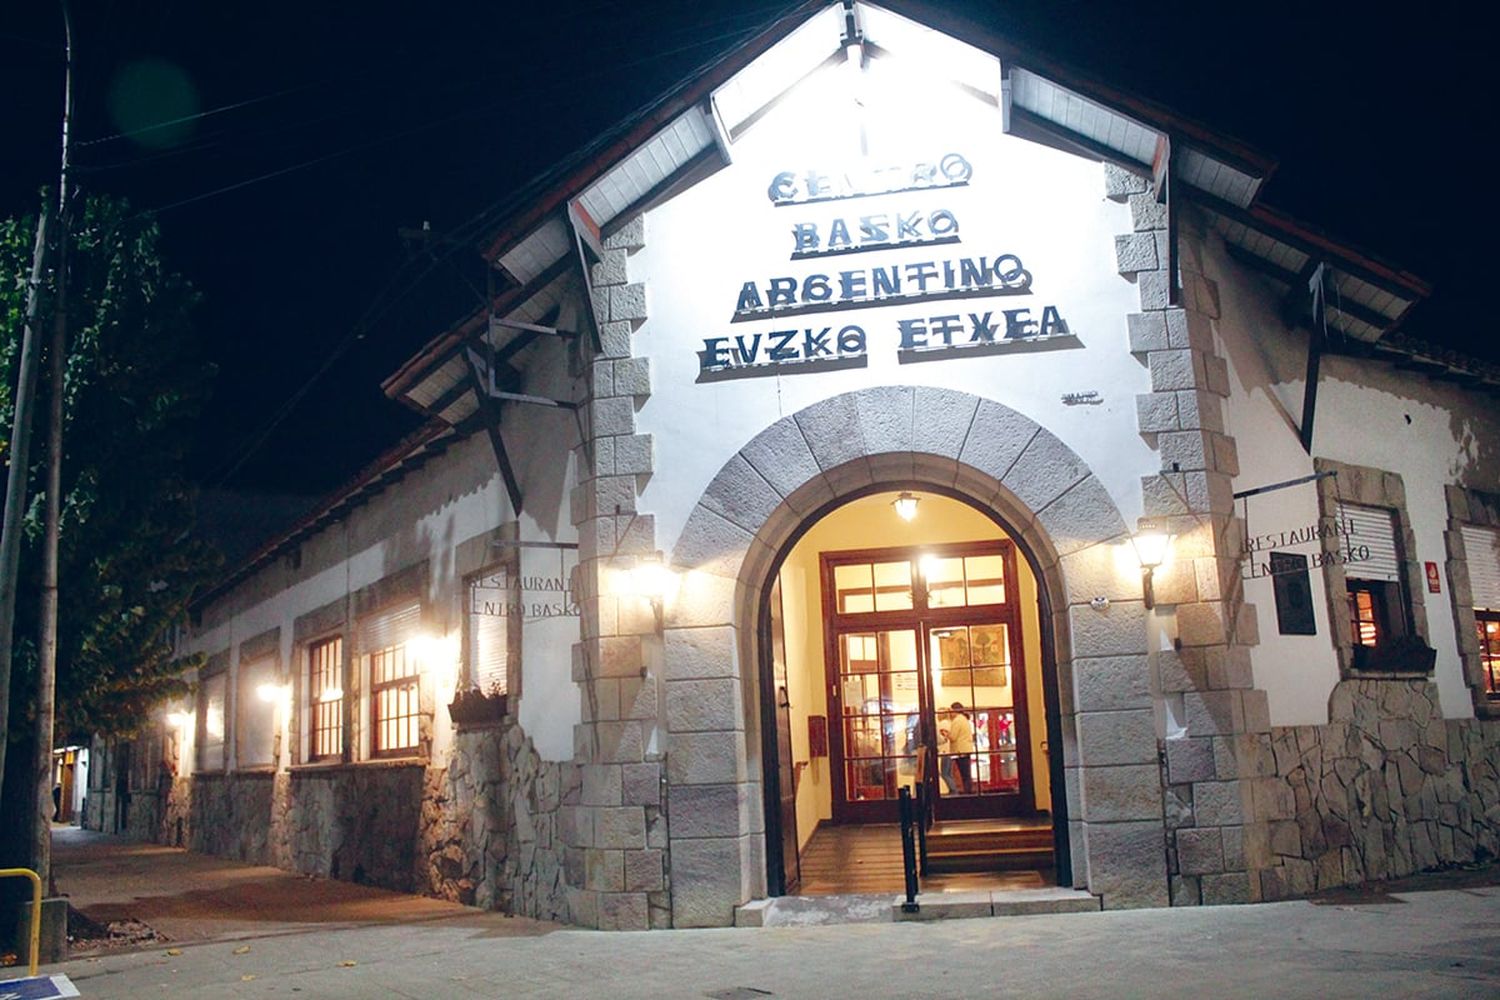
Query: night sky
{"points": [[377, 117]]}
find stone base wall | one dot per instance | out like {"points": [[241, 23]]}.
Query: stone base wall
{"points": [[481, 829], [1389, 787]]}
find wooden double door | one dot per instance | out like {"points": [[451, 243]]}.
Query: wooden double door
{"points": [[926, 681]]}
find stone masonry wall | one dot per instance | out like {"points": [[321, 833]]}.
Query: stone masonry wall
{"points": [[483, 828], [1214, 829], [615, 835], [1387, 788]]}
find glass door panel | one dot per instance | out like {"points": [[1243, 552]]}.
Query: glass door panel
{"points": [[974, 707], [879, 684]]}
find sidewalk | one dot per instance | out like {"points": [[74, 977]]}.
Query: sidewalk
{"points": [[310, 939]]}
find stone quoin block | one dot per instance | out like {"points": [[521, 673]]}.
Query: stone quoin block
{"points": [[702, 599], [610, 268], [1200, 408], [614, 338], [1156, 411], [623, 911], [710, 811], [1126, 863], [1147, 332], [601, 784], [612, 416], [700, 653], [627, 302], [1146, 212], [1120, 183], [1201, 624], [1119, 628], [1190, 759], [1173, 370], [640, 784], [1126, 737], [633, 454], [1184, 450], [1200, 851], [604, 870], [1186, 328], [1213, 713], [1102, 570], [705, 758], [707, 881], [1110, 683], [620, 827], [1129, 792], [643, 870], [1135, 252], [632, 377], [1219, 803], [1155, 289], [630, 236], [705, 705]]}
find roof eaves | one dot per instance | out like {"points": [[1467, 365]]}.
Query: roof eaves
{"points": [[419, 442]]}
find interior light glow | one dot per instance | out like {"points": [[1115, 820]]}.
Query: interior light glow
{"points": [[905, 506], [331, 694], [179, 720], [269, 692]]}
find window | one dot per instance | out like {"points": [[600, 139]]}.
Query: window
{"points": [[1487, 624], [211, 694], [256, 699], [1379, 605], [325, 699], [395, 682], [487, 643]]}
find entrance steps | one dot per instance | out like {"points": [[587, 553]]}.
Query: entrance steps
{"points": [[809, 911], [989, 845]]}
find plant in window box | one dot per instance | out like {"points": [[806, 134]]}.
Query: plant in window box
{"points": [[476, 706]]}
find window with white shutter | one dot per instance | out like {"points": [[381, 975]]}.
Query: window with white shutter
{"points": [[487, 654], [1482, 552]]}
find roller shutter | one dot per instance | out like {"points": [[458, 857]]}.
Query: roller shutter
{"points": [[1482, 550], [1372, 529]]}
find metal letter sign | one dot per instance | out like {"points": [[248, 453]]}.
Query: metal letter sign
{"points": [[822, 346]]}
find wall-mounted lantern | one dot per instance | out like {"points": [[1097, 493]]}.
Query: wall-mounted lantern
{"points": [[905, 506], [1152, 542], [653, 581]]}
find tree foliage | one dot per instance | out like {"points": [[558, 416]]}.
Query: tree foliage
{"points": [[129, 558]]}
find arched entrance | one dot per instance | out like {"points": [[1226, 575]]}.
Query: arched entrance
{"points": [[908, 651], [1060, 517]]}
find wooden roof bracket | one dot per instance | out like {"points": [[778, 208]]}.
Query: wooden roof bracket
{"points": [[489, 413], [585, 239], [1316, 341]]}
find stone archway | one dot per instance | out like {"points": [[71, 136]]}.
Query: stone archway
{"points": [[1057, 511]]}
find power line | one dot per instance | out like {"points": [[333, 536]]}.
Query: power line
{"points": [[458, 238]]}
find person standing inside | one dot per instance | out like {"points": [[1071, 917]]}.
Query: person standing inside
{"points": [[960, 734]]}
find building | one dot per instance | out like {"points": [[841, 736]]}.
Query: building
{"points": [[882, 383]]}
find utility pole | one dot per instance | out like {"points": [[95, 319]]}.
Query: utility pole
{"points": [[46, 710]]}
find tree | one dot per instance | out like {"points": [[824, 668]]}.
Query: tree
{"points": [[130, 560]]}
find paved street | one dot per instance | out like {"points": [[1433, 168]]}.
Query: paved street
{"points": [[1442, 942]]}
